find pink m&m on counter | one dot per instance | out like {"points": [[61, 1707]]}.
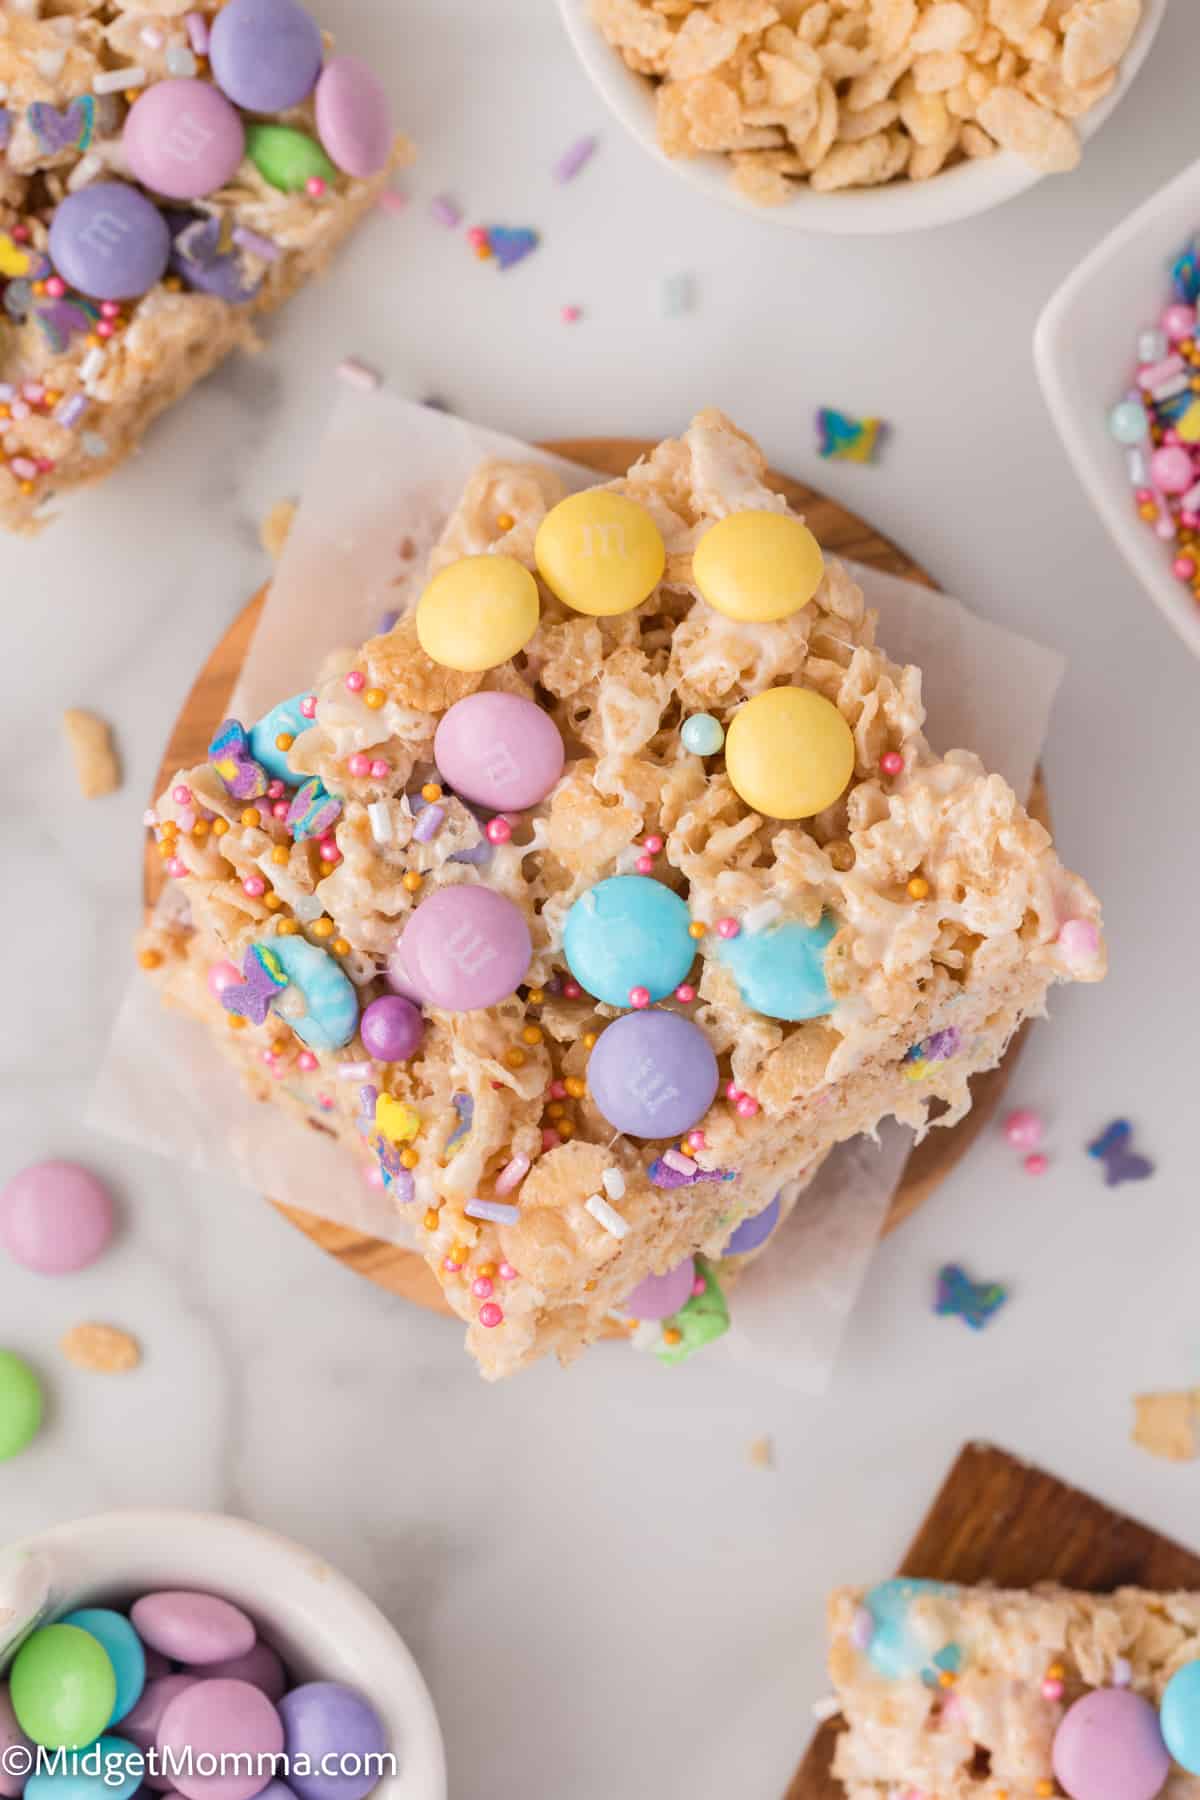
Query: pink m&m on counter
{"points": [[464, 947], [55, 1217], [499, 751]]}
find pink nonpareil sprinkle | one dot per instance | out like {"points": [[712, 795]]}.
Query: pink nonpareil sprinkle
{"points": [[392, 201], [571, 315]]}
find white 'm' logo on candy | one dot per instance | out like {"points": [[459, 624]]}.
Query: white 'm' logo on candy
{"points": [[104, 233], [187, 139], [651, 1087], [500, 765], [468, 950], [603, 540]]}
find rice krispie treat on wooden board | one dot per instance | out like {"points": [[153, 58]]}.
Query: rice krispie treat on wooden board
{"points": [[170, 170], [606, 892], [956, 1693]]}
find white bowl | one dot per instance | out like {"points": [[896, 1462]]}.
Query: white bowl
{"points": [[322, 1626], [1084, 347], [958, 193]]}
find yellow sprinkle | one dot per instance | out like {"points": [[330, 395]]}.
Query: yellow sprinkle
{"points": [[220, 827], [236, 1023], [280, 854], [696, 929], [575, 1087], [514, 1058], [200, 830], [412, 881], [431, 792], [1055, 1672], [340, 947], [566, 1128], [430, 1221], [946, 1678], [531, 1035], [671, 1337], [589, 1040], [251, 817], [150, 959], [536, 996], [284, 741], [918, 888], [409, 1159], [322, 928], [374, 698], [504, 521], [556, 1110], [288, 928], [272, 902]]}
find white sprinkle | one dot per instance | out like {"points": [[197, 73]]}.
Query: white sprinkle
{"points": [[115, 81], [152, 37], [606, 1215], [498, 1212], [91, 365], [828, 1708], [356, 374], [765, 913], [50, 63], [512, 1174], [676, 295], [85, 171], [1122, 1671], [1174, 384], [1139, 469], [358, 1071], [614, 1183], [683, 1165], [648, 1335], [381, 821], [181, 61]]}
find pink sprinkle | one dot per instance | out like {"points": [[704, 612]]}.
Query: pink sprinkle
{"points": [[110, 309], [19, 409], [733, 1091], [356, 681], [499, 831], [727, 928], [490, 1315], [20, 233], [329, 850], [1023, 1129], [511, 1175], [221, 976], [862, 1628], [746, 1106], [685, 992], [44, 465], [891, 762], [307, 1061], [1079, 940], [698, 1287], [359, 764], [696, 1140], [482, 1288], [24, 468], [1052, 1690], [639, 996], [507, 1272], [182, 796], [571, 315], [653, 844], [105, 328], [392, 201], [380, 768], [571, 990], [373, 1175], [187, 818], [279, 809], [150, 818], [448, 1262], [644, 865], [557, 1090], [1037, 1164], [177, 868], [477, 237], [308, 706], [269, 1057], [197, 30], [255, 886], [56, 287], [550, 1140], [315, 186], [275, 790]]}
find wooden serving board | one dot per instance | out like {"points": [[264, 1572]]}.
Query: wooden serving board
{"points": [[403, 1272], [1001, 1521]]}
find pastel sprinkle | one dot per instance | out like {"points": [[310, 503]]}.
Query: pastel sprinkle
{"points": [[356, 1071], [256, 243], [614, 1183], [116, 81], [571, 314], [392, 201], [358, 374], [606, 1215], [675, 1159], [197, 30], [573, 160], [429, 822], [498, 1212], [445, 211], [512, 1174], [843, 438], [380, 819], [676, 295]]}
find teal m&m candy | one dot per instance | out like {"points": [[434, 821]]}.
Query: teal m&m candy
{"points": [[116, 1636], [20, 1404], [63, 1687], [626, 933], [110, 1769], [780, 971], [1179, 1717]]}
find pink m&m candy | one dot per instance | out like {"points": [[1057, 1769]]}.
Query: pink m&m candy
{"points": [[183, 139], [192, 1628], [141, 1725], [1109, 1746], [227, 1719], [354, 116], [12, 1738], [55, 1217], [465, 947], [658, 1296], [499, 750], [1171, 469]]}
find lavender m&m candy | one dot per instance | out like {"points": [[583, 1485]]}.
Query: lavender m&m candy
{"points": [[55, 1217], [183, 139], [265, 54], [658, 1296], [109, 241], [499, 750], [754, 1231], [1109, 1746], [215, 1719], [192, 1628], [652, 1074], [465, 947], [391, 1028], [325, 1719], [354, 117]]}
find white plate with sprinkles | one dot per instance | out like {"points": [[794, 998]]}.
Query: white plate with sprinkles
{"points": [[1116, 342]]}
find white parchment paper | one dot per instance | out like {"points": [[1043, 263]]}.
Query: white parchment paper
{"points": [[385, 478]]}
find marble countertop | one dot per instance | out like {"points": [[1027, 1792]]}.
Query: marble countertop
{"points": [[605, 1594]]}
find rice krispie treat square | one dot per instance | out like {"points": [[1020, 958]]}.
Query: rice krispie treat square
{"points": [[170, 170], [953, 1693], [598, 899]]}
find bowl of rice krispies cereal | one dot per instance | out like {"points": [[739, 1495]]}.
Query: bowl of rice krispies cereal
{"points": [[863, 116], [597, 899]]}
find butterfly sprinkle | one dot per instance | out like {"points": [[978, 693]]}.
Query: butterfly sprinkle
{"points": [[70, 129], [1121, 1162], [974, 1302], [843, 438]]}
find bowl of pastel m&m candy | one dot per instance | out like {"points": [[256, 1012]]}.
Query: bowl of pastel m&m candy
{"points": [[1118, 355], [203, 1658]]}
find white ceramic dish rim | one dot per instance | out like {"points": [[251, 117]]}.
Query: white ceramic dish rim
{"points": [[1092, 452], [324, 1625], [959, 193]]}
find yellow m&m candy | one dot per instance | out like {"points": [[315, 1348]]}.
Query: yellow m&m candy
{"points": [[758, 566], [599, 552], [477, 613], [789, 753]]}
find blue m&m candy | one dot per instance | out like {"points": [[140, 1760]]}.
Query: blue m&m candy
{"points": [[123, 1646], [1179, 1716], [628, 932], [780, 972]]}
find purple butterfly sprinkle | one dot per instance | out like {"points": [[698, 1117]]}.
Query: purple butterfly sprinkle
{"points": [[973, 1302], [943, 1045], [664, 1176], [1121, 1163], [198, 259], [70, 129], [60, 320], [251, 999]]}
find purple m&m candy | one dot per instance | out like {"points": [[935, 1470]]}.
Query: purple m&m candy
{"points": [[215, 1719], [465, 947], [12, 1779], [1109, 1746], [265, 54], [499, 750], [55, 1217], [354, 117], [661, 1295], [754, 1231], [324, 1720], [192, 1628], [391, 1028], [109, 241], [652, 1074], [183, 139]]}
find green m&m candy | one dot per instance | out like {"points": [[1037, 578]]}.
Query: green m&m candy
{"points": [[63, 1687], [287, 158], [20, 1404]]}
